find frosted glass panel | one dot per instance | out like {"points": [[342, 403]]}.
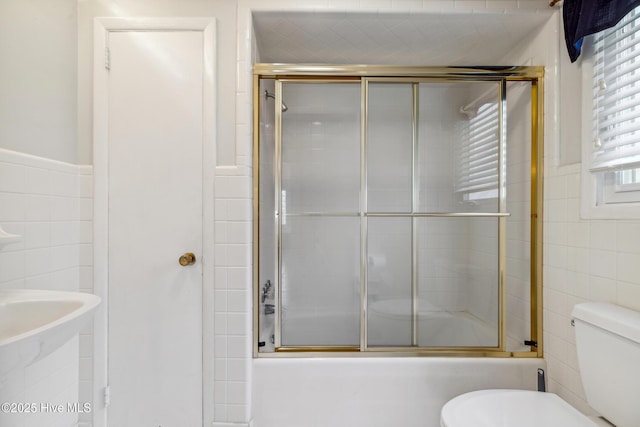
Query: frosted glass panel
{"points": [[458, 282], [321, 147], [432, 281], [518, 259], [320, 281], [268, 240], [389, 282], [389, 147], [458, 145]]}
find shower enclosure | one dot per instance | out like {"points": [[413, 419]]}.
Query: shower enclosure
{"points": [[397, 210]]}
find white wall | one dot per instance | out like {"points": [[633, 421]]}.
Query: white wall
{"points": [[49, 204], [38, 42], [44, 196]]}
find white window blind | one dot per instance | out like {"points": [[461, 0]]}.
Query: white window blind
{"points": [[478, 151], [616, 93]]}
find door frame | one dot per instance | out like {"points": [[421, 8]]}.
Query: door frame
{"points": [[102, 28]]}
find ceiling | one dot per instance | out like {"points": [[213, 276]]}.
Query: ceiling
{"points": [[402, 38]]}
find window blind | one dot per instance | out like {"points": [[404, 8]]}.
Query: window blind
{"points": [[616, 94], [478, 151]]}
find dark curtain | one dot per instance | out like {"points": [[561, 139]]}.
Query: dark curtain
{"points": [[585, 17]]}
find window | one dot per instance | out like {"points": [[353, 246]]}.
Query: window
{"points": [[477, 175], [615, 156]]}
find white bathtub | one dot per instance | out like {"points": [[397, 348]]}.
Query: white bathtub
{"points": [[374, 392]]}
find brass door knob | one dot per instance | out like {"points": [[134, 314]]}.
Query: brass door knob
{"points": [[187, 259]]}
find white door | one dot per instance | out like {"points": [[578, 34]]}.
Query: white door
{"points": [[155, 215]]}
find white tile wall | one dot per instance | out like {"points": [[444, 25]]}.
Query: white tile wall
{"points": [[85, 274], [233, 319], [49, 204], [585, 260]]}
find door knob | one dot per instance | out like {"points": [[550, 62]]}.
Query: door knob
{"points": [[187, 259]]}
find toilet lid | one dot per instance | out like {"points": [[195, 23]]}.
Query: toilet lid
{"points": [[511, 408]]}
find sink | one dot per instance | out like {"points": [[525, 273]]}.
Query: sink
{"points": [[34, 323]]}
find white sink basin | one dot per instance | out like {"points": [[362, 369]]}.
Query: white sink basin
{"points": [[33, 323]]}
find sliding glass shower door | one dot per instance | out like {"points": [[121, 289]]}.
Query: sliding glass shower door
{"points": [[400, 214], [434, 213], [319, 214]]}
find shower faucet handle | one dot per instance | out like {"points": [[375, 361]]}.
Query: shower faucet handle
{"points": [[266, 290]]}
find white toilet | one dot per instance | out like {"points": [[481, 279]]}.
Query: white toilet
{"points": [[608, 345]]}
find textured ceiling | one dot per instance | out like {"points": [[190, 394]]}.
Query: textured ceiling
{"points": [[407, 39]]}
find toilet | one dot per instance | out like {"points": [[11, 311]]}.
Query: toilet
{"points": [[608, 345]]}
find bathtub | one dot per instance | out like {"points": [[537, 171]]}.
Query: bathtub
{"points": [[376, 391]]}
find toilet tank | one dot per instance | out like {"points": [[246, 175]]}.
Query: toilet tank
{"points": [[608, 345]]}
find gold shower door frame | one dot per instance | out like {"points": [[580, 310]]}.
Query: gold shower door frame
{"points": [[283, 73]]}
